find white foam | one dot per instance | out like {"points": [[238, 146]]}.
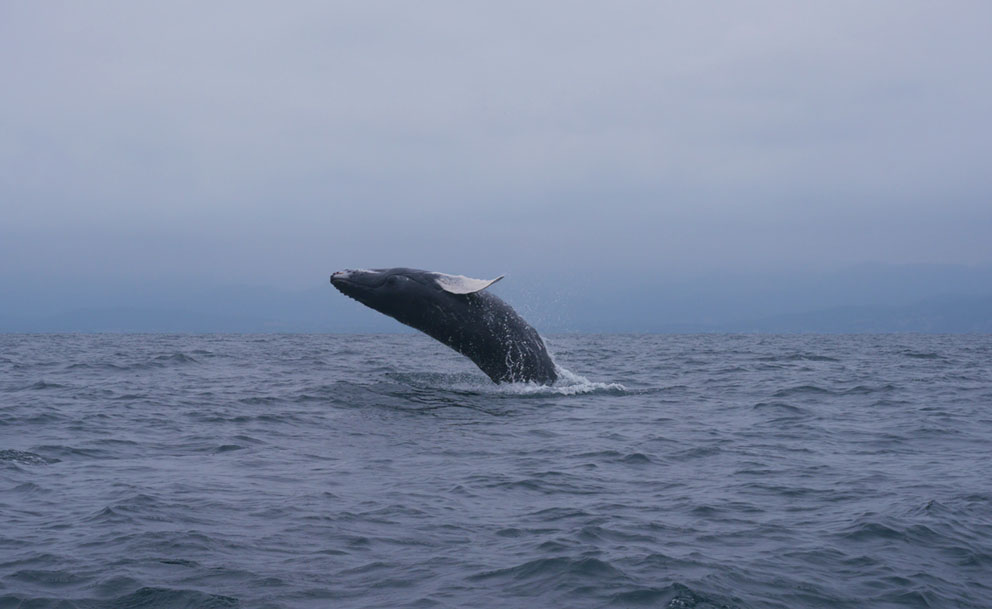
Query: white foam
{"points": [[568, 383]]}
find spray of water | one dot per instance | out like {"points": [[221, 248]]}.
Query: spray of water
{"points": [[472, 383], [568, 383]]}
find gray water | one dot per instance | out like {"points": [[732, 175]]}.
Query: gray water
{"points": [[386, 471]]}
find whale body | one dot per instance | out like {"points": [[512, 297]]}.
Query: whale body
{"points": [[459, 312]]}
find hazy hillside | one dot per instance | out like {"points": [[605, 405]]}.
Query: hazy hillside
{"points": [[945, 315], [863, 299]]}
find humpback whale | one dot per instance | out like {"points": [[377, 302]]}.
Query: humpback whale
{"points": [[459, 312]]}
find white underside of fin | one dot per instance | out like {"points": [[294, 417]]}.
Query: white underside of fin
{"points": [[460, 284]]}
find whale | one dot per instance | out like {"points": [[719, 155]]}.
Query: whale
{"points": [[459, 312]]}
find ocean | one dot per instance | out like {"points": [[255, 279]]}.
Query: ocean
{"points": [[672, 471]]}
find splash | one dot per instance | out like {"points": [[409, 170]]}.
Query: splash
{"points": [[568, 383]]}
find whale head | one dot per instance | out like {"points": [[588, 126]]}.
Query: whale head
{"points": [[406, 295], [389, 291]]}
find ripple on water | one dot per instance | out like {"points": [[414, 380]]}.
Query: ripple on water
{"points": [[24, 457], [386, 471]]}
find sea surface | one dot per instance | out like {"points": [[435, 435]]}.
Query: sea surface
{"points": [[693, 471]]}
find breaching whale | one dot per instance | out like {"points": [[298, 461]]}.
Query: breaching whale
{"points": [[459, 312]]}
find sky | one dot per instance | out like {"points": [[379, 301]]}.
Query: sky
{"points": [[269, 144]]}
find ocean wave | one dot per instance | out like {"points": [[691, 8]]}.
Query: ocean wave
{"points": [[568, 384], [553, 569], [146, 598], [802, 390], [389, 472], [674, 596], [25, 458]]}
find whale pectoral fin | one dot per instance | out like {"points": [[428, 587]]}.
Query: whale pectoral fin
{"points": [[459, 284]]}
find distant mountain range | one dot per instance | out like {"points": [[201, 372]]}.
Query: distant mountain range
{"points": [[946, 315], [858, 300]]}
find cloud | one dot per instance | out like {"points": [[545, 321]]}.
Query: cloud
{"points": [[261, 143]]}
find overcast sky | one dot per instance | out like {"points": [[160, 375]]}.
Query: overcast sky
{"points": [[272, 143]]}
